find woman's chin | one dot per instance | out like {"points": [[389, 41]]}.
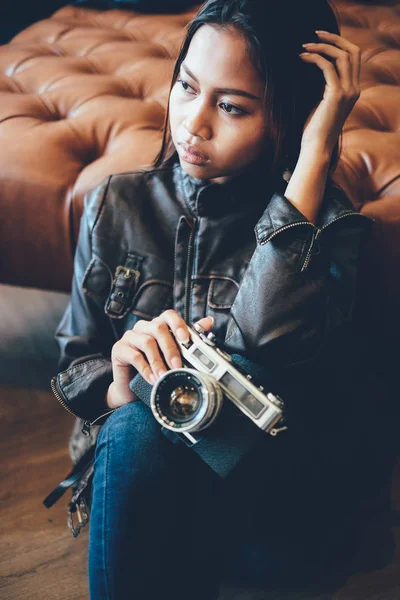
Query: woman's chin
{"points": [[197, 171], [203, 172]]}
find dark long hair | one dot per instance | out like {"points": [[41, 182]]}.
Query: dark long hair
{"points": [[274, 32]]}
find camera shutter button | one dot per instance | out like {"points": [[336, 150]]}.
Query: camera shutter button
{"points": [[209, 339]]}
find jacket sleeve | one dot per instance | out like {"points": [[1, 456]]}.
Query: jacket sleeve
{"points": [[299, 285], [84, 335]]}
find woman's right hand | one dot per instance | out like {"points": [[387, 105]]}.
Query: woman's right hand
{"points": [[149, 348]]}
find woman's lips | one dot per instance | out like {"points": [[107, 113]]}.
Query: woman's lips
{"points": [[191, 155]]}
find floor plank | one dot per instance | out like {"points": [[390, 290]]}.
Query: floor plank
{"points": [[40, 560], [39, 557]]}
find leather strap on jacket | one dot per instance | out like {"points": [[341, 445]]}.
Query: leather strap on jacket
{"points": [[73, 477]]}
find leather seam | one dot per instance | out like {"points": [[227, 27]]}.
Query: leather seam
{"points": [[101, 207]]}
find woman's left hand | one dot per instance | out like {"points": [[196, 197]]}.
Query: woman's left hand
{"points": [[342, 88]]}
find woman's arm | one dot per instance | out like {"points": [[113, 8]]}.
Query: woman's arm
{"points": [[84, 335], [301, 280], [306, 186], [339, 61], [300, 283]]}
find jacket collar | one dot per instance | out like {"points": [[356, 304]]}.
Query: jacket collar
{"points": [[250, 190], [205, 198]]}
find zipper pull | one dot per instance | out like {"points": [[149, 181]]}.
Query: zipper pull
{"points": [[313, 249], [86, 428]]}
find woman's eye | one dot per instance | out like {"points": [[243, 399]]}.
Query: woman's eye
{"points": [[231, 110], [184, 85]]}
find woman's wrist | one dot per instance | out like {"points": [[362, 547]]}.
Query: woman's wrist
{"points": [[318, 151], [114, 398], [307, 183], [109, 395]]}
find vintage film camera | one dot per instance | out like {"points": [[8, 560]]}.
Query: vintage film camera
{"points": [[212, 404]]}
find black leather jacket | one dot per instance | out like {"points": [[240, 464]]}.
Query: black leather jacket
{"points": [[276, 284]]}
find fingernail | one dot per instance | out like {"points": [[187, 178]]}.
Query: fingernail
{"points": [[212, 320], [153, 378], [308, 44], [305, 54], [321, 31], [182, 335], [161, 372], [176, 362]]}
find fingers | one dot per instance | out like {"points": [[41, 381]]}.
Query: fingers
{"points": [[328, 69], [342, 58], [176, 324], [206, 323], [341, 42], [156, 339], [151, 346], [167, 328], [125, 353], [141, 351], [347, 57], [167, 343]]}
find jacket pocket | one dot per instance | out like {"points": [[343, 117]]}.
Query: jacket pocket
{"points": [[155, 291], [221, 293], [97, 280], [142, 286]]}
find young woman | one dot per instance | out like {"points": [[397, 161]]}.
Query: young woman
{"points": [[237, 226]]}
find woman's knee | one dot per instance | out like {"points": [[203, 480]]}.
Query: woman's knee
{"points": [[130, 421], [131, 435]]}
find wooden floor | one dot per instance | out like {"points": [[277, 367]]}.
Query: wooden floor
{"points": [[40, 560]]}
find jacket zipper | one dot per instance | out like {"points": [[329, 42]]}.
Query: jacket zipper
{"points": [[351, 214], [316, 233], [278, 231], [188, 272], [57, 394], [87, 424], [315, 236], [299, 223]]}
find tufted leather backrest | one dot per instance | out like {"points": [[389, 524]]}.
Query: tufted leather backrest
{"points": [[369, 169], [83, 93]]}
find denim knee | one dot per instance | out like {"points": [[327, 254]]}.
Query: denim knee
{"points": [[131, 442], [128, 421]]}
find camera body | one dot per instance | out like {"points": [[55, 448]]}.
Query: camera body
{"points": [[215, 375], [214, 388]]}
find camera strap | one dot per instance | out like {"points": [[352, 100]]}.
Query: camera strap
{"points": [[72, 478]]}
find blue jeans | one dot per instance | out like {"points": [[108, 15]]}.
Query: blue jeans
{"points": [[163, 525]]}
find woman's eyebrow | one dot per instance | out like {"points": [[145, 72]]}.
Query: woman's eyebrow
{"points": [[230, 91]]}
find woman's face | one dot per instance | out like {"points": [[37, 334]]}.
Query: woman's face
{"points": [[216, 106]]}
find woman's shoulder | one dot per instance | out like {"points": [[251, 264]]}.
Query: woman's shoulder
{"points": [[123, 193]]}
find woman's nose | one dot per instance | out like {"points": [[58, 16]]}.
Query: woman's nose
{"points": [[197, 121]]}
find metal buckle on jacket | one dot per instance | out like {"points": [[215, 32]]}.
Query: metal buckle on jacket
{"points": [[127, 272], [123, 288], [78, 508]]}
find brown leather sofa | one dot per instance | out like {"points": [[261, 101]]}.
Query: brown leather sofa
{"points": [[83, 93]]}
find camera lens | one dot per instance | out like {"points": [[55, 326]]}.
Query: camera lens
{"points": [[186, 400]]}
